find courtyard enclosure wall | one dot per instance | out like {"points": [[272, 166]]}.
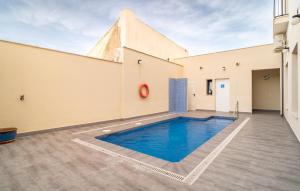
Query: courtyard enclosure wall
{"points": [[240, 76], [60, 89], [63, 89], [153, 71]]}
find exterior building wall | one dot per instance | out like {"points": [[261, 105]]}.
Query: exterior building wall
{"points": [[139, 36], [131, 32], [108, 46], [253, 58], [153, 71], [60, 89], [63, 89], [290, 60]]}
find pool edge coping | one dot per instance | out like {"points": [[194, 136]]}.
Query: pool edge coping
{"points": [[191, 176], [183, 167]]}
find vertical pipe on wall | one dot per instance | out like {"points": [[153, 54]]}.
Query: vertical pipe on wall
{"points": [[274, 9], [281, 7], [282, 85]]}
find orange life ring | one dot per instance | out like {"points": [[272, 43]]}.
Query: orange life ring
{"points": [[144, 91]]}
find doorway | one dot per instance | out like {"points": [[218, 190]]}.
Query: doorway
{"points": [[178, 95], [223, 95], [266, 90]]}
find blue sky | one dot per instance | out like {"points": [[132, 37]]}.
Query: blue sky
{"points": [[201, 26]]}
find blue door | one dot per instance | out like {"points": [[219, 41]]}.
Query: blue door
{"points": [[178, 95]]}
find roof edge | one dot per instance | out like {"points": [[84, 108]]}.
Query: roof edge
{"points": [[223, 51], [58, 51], [178, 64]]}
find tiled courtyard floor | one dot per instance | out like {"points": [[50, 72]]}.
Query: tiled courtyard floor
{"points": [[265, 155]]}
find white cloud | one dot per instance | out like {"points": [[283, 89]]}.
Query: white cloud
{"points": [[199, 25], [57, 14]]}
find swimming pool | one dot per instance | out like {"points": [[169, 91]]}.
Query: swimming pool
{"points": [[170, 140]]}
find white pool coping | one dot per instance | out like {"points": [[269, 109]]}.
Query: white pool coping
{"points": [[188, 179], [115, 125]]}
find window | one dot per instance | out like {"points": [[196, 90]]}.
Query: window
{"points": [[209, 87]]}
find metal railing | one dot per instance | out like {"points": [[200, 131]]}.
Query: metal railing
{"points": [[236, 112], [280, 8]]}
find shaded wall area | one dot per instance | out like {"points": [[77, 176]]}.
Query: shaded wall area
{"points": [[266, 89]]}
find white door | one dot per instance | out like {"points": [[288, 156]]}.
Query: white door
{"points": [[192, 96], [222, 95]]}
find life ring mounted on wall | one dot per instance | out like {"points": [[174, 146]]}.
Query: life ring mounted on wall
{"points": [[144, 91]]}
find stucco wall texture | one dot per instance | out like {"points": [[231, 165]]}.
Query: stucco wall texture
{"points": [[62, 89], [266, 89], [153, 71], [240, 76], [131, 32]]}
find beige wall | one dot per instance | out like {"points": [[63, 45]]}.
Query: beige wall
{"points": [[153, 71], [63, 89], [60, 89], [266, 89], [131, 32], [139, 36], [293, 38], [253, 58], [108, 46]]}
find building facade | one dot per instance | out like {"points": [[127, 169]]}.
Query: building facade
{"points": [[286, 32], [63, 89]]}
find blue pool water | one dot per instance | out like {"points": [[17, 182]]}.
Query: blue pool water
{"points": [[170, 140]]}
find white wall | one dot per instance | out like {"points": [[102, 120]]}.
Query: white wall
{"points": [[291, 111]]}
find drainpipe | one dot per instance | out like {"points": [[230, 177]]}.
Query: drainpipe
{"points": [[282, 85]]}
